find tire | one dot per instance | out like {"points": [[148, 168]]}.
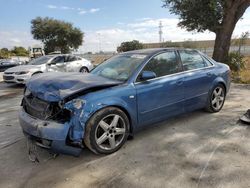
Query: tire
{"points": [[101, 136], [84, 70], [216, 99]]}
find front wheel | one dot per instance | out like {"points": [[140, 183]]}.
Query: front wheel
{"points": [[106, 131], [216, 99], [84, 70]]}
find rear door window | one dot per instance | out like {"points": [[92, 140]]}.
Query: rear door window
{"points": [[71, 58], [209, 64], [192, 60], [58, 59]]}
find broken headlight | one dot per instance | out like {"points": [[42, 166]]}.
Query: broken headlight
{"points": [[78, 103], [75, 104]]}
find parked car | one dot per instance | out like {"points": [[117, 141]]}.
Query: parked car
{"points": [[63, 112], [8, 63], [49, 63]]}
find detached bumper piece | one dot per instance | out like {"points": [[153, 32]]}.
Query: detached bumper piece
{"points": [[47, 134], [246, 118]]}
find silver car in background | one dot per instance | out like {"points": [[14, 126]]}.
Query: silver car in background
{"points": [[49, 63]]}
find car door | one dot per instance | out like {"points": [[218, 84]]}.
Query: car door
{"points": [[57, 64], [73, 64], [199, 75], [162, 96]]}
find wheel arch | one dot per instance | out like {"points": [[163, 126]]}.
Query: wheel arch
{"points": [[219, 81], [82, 67], [131, 129], [37, 72], [127, 114], [224, 85]]}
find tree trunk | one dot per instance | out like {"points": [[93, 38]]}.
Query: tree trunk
{"points": [[234, 11], [223, 38], [222, 45]]}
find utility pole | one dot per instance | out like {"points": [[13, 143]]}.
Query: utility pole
{"points": [[160, 32], [99, 42]]}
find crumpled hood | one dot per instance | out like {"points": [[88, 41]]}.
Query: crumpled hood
{"points": [[56, 86], [23, 68]]}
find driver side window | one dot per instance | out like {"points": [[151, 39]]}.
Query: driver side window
{"points": [[163, 64]]}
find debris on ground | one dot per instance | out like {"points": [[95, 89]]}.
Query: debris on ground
{"points": [[246, 117]]}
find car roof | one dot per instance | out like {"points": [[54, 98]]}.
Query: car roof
{"points": [[151, 51], [55, 55], [49, 56]]}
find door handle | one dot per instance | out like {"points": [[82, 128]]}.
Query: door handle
{"points": [[179, 82]]}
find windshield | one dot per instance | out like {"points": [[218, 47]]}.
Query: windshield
{"points": [[40, 60], [119, 67]]}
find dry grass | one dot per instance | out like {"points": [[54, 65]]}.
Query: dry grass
{"points": [[245, 74], [247, 64]]}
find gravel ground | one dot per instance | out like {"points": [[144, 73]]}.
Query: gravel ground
{"points": [[193, 150]]}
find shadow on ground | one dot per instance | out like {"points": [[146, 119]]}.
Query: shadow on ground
{"points": [[193, 150]]}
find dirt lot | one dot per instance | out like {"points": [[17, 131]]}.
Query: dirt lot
{"points": [[194, 150]]}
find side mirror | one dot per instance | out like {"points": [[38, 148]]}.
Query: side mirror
{"points": [[50, 63], [147, 75], [59, 64]]}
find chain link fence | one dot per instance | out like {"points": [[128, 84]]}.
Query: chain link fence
{"points": [[245, 50]]}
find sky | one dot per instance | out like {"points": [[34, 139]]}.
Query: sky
{"points": [[105, 23]]}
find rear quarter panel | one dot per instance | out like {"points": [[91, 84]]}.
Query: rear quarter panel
{"points": [[73, 66], [223, 76]]}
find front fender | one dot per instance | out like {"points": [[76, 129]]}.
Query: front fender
{"points": [[81, 114], [129, 108]]}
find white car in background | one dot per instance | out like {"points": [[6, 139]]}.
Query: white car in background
{"points": [[49, 63]]}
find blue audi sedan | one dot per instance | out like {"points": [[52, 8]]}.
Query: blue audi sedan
{"points": [[65, 112]]}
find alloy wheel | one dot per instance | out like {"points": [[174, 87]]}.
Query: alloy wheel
{"points": [[110, 132], [218, 98], [84, 70]]}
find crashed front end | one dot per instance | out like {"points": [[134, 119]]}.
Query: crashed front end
{"points": [[50, 125], [54, 111]]}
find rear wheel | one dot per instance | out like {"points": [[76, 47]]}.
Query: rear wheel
{"points": [[216, 99], [84, 70], [107, 131]]}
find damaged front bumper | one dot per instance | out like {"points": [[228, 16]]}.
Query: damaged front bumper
{"points": [[47, 134]]}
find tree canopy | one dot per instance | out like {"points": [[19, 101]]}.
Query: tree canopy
{"points": [[56, 34], [20, 51], [16, 51], [4, 53], [198, 15], [129, 46], [218, 16]]}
